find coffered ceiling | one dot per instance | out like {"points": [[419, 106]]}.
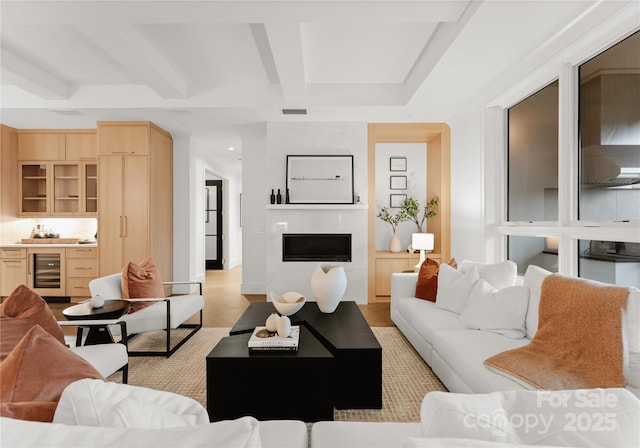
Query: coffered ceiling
{"points": [[212, 69]]}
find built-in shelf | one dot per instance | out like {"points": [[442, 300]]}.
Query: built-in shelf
{"points": [[317, 206]]}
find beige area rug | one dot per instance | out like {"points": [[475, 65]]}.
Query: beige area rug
{"points": [[406, 378]]}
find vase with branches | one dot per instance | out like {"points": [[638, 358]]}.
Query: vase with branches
{"points": [[413, 212], [393, 219]]}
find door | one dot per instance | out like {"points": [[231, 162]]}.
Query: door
{"points": [[110, 185], [213, 224]]}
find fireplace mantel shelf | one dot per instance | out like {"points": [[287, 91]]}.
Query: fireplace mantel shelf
{"points": [[317, 206]]}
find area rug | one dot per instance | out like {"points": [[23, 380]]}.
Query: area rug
{"points": [[406, 378]]}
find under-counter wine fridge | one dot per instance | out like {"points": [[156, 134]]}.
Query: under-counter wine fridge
{"points": [[46, 271]]}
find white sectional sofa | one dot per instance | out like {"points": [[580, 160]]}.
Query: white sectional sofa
{"points": [[95, 413], [456, 353], [516, 418]]}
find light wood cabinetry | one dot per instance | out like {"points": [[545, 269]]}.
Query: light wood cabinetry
{"points": [[82, 267], [13, 270], [81, 146], [37, 146], [54, 181], [135, 196], [389, 262], [8, 181], [123, 138]]}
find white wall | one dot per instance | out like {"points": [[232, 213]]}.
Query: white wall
{"points": [[185, 231], [340, 138], [254, 213], [467, 189]]}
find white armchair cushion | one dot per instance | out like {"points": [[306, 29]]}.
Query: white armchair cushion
{"points": [[586, 418], [100, 403], [105, 358]]}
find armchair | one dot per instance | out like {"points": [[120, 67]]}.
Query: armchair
{"points": [[167, 314]]}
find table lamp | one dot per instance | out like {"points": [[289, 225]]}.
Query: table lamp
{"points": [[424, 243]]}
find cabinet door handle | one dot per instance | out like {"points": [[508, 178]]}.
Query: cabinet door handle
{"points": [[122, 152], [11, 261], [82, 269], [120, 226], [125, 226]]}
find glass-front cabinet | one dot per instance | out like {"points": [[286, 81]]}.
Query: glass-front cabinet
{"points": [[90, 190], [34, 188], [58, 188], [66, 188]]}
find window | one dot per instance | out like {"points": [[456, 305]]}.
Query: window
{"points": [[540, 251], [533, 157], [609, 104], [572, 195]]}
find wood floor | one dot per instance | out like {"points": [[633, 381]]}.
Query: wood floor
{"points": [[224, 304]]}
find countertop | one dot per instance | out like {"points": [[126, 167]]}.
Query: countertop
{"points": [[22, 245]]}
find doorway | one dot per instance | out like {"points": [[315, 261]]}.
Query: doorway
{"points": [[213, 224]]}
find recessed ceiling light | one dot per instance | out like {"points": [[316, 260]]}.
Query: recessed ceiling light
{"points": [[294, 111], [231, 148]]}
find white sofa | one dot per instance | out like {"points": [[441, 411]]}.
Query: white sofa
{"points": [[456, 353], [581, 418], [102, 414]]}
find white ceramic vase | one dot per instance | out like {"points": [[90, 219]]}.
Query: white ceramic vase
{"points": [[328, 284], [394, 244]]}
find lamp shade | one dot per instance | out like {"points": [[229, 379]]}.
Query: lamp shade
{"points": [[422, 241]]}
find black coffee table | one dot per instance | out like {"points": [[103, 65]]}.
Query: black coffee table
{"points": [[353, 366]]}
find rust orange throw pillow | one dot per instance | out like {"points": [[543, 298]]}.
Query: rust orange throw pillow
{"points": [[38, 369], [427, 284], [19, 313], [141, 281]]}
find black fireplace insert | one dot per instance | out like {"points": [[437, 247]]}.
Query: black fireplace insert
{"points": [[316, 247]]}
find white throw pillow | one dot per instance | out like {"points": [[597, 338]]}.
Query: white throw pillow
{"points": [[533, 278], [454, 288], [497, 310], [500, 275]]}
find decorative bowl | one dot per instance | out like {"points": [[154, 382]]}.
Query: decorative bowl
{"points": [[287, 303]]}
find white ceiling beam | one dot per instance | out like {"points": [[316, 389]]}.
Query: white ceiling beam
{"points": [[18, 13], [33, 79], [434, 49], [126, 46], [285, 41]]}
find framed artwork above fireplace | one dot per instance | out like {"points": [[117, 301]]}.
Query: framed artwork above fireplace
{"points": [[320, 179]]}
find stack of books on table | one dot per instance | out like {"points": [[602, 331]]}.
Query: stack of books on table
{"points": [[265, 340]]}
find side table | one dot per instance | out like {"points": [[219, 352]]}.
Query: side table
{"points": [[112, 309]]}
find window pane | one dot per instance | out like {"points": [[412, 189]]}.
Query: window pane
{"points": [[526, 250], [612, 262], [533, 157], [609, 127]]}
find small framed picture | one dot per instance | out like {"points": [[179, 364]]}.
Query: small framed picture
{"points": [[396, 200], [397, 164], [398, 182]]}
